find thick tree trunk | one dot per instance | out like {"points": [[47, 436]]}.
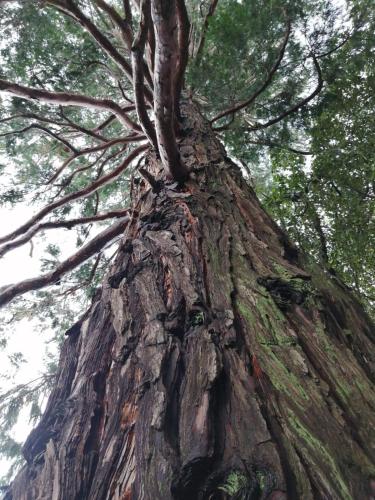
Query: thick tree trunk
{"points": [[212, 361]]}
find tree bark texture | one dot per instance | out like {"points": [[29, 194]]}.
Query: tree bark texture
{"points": [[211, 356]]}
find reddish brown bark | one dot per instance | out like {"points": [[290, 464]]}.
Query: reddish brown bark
{"points": [[209, 353]]}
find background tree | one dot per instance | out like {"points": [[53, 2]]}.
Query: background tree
{"points": [[240, 370]]}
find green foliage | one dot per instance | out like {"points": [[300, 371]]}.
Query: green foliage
{"points": [[328, 198], [324, 199]]}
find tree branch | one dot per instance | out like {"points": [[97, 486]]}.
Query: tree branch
{"points": [[137, 64], [165, 24], [202, 39], [68, 99], [9, 292], [125, 31], [67, 224], [271, 144], [265, 84], [128, 13], [127, 37], [72, 9], [183, 51], [43, 129], [91, 188], [300, 104], [69, 124], [67, 181], [94, 149]]}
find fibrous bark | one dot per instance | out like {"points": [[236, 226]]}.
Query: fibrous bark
{"points": [[210, 358]]}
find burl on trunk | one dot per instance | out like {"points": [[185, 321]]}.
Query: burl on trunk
{"points": [[212, 364]]}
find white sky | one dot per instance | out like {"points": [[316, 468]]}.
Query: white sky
{"points": [[16, 266], [25, 336]]}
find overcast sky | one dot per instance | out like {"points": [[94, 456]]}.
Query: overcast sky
{"points": [[25, 336]]}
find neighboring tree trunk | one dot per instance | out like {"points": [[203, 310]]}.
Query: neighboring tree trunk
{"points": [[212, 363]]}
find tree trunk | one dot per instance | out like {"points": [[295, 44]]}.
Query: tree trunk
{"points": [[212, 363]]}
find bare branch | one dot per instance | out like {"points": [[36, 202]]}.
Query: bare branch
{"points": [[300, 104], [127, 37], [94, 149], [165, 24], [265, 84], [137, 64], [69, 124], [72, 9], [128, 13], [68, 181], [272, 144], [227, 125], [210, 13], [9, 292], [123, 25], [43, 129], [126, 98], [68, 224], [337, 47], [183, 51], [68, 99], [91, 188], [75, 126]]}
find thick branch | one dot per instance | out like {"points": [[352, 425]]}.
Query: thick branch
{"points": [[68, 99], [322, 239], [165, 24], [265, 84], [95, 245], [123, 25], [183, 51], [150, 49], [128, 13], [127, 37], [300, 104], [68, 224], [91, 188], [72, 9], [210, 13], [138, 83]]}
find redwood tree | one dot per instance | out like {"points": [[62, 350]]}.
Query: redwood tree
{"points": [[215, 360]]}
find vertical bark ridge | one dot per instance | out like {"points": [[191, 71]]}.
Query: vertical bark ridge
{"points": [[212, 355]]}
